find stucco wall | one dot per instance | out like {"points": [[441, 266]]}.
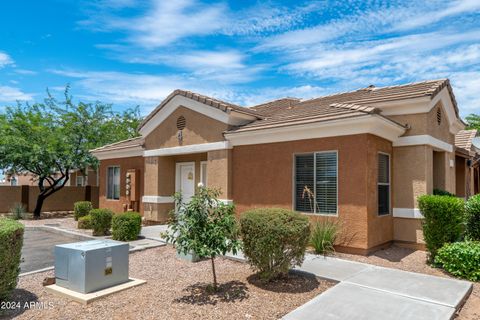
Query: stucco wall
{"points": [[263, 177], [125, 164], [408, 230], [9, 195], [219, 171], [199, 129]]}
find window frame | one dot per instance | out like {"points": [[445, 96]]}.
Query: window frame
{"points": [[81, 184], [389, 184], [294, 182], [119, 184]]}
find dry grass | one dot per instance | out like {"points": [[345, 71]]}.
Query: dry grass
{"points": [[415, 261], [177, 289]]}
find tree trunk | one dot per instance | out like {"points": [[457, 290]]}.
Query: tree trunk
{"points": [[214, 274], [38, 207]]}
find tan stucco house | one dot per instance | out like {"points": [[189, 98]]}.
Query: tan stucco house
{"points": [[360, 157]]}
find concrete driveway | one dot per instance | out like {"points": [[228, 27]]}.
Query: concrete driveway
{"points": [[369, 292]]}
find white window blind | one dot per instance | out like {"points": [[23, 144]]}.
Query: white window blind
{"points": [[113, 183], [316, 182]]}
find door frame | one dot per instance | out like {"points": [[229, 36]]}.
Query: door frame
{"points": [[177, 174]]}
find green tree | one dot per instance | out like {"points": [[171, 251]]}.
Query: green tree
{"points": [[473, 121], [51, 138], [205, 226]]}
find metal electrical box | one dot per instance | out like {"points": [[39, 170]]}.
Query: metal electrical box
{"points": [[91, 265]]}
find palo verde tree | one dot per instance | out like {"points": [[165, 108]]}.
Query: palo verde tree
{"points": [[51, 138], [473, 121], [205, 227]]}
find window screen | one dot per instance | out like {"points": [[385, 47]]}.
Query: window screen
{"points": [[113, 183], [316, 183], [383, 184]]}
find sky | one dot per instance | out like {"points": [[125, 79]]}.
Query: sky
{"points": [[132, 53]]}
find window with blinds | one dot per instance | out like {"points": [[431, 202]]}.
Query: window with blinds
{"points": [[316, 182], [383, 184], [113, 183]]}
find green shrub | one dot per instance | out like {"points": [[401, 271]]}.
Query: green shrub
{"points": [[274, 240], [440, 192], [85, 222], [126, 226], [18, 211], [11, 241], [461, 259], [101, 221], [324, 234], [81, 209], [472, 209], [443, 223]]}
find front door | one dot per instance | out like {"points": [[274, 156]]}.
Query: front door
{"points": [[185, 182]]}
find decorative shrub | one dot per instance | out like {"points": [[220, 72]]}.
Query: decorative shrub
{"points": [[85, 222], [461, 259], [101, 221], [274, 240], [126, 226], [440, 192], [324, 234], [472, 209], [81, 209], [18, 211], [11, 241], [443, 223]]}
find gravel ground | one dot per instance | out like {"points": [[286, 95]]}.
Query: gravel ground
{"points": [[415, 261], [177, 289], [64, 223]]}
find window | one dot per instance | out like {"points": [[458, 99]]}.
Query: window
{"points": [[383, 184], [203, 173], [79, 181], [113, 183], [316, 182]]}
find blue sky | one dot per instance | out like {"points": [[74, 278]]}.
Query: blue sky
{"points": [[136, 52]]}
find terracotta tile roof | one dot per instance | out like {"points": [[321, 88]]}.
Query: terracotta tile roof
{"points": [[269, 108], [219, 104], [464, 139], [124, 144], [342, 105]]}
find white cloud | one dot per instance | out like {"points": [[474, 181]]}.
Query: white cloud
{"points": [[11, 94], [25, 71], [5, 59]]}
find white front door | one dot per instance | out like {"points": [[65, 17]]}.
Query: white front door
{"points": [[185, 180]]}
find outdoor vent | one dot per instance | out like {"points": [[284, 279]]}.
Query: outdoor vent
{"points": [[181, 123], [439, 116], [93, 265]]}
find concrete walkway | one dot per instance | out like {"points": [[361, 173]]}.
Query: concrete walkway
{"points": [[369, 292]]}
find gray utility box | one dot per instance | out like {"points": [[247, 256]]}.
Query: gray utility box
{"points": [[91, 265]]}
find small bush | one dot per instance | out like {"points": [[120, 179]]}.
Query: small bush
{"points": [[126, 226], [81, 209], [11, 242], [472, 209], [18, 211], [85, 222], [274, 240], [440, 192], [101, 221], [443, 223], [323, 236], [461, 259]]}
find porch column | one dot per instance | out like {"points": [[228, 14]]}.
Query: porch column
{"points": [[219, 172]]}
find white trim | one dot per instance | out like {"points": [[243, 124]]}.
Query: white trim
{"points": [[122, 153], [157, 199], [226, 201], [232, 118], [412, 213], [423, 139], [373, 124], [193, 148]]}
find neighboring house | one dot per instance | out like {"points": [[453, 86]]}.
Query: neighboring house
{"points": [[77, 178], [360, 157], [467, 163]]}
